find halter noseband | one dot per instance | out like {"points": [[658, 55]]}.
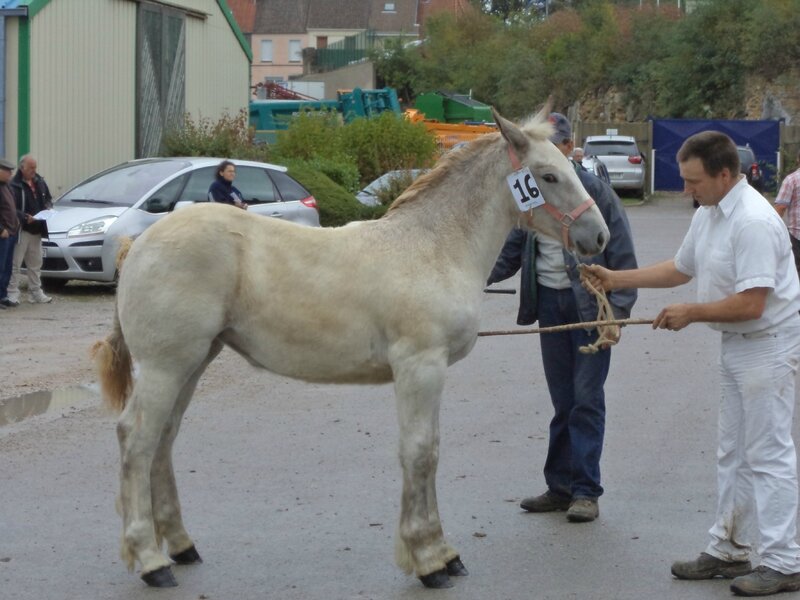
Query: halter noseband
{"points": [[565, 219]]}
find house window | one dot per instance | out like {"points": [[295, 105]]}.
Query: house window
{"points": [[322, 42], [295, 51], [266, 50], [389, 7]]}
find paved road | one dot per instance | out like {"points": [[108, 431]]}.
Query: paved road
{"points": [[291, 490]]}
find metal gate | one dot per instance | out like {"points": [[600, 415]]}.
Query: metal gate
{"points": [[160, 75], [669, 134]]}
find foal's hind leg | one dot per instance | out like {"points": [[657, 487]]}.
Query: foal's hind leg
{"points": [[140, 430], [420, 545], [166, 506]]}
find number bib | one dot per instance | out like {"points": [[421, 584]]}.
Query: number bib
{"points": [[524, 189]]}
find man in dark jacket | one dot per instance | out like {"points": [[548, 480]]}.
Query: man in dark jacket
{"points": [[552, 293], [9, 229], [32, 196]]}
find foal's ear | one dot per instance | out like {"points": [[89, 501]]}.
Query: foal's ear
{"points": [[516, 139], [545, 111]]}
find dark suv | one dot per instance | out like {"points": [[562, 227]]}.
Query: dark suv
{"points": [[748, 164]]}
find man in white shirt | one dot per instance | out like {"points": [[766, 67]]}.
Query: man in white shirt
{"points": [[747, 287]]}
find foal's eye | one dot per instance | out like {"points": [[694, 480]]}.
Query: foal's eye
{"points": [[550, 178]]}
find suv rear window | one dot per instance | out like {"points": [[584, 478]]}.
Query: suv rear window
{"points": [[611, 148], [746, 156]]}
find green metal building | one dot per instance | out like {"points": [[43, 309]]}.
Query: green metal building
{"points": [[87, 84]]}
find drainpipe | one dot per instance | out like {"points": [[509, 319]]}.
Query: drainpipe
{"points": [[22, 13], [2, 85]]}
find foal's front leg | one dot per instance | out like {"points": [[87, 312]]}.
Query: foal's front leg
{"points": [[420, 544]]}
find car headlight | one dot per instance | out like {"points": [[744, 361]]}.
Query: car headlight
{"points": [[93, 227]]}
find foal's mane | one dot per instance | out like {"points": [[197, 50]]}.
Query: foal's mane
{"points": [[538, 130]]}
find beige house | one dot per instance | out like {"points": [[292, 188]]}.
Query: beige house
{"points": [[88, 84], [283, 29]]}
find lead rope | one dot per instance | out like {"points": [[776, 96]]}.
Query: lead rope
{"points": [[606, 334], [607, 326]]}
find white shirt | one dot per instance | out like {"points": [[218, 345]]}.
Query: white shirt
{"points": [[737, 245]]}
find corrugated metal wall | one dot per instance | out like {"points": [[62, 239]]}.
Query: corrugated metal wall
{"points": [[83, 84], [217, 69], [82, 88]]}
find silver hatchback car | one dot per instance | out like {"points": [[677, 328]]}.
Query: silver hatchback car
{"points": [[622, 158], [125, 200]]}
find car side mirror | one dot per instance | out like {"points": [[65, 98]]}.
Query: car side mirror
{"points": [[156, 205]]}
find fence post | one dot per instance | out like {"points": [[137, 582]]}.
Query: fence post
{"points": [[652, 170]]}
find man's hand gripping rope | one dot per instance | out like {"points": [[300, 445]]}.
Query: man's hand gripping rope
{"points": [[608, 328]]}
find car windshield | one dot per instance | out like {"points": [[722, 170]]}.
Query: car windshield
{"points": [[611, 148], [124, 185]]}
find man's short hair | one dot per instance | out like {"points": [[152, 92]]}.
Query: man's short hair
{"points": [[715, 150]]}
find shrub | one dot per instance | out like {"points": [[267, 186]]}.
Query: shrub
{"points": [[229, 137], [336, 205], [371, 145], [310, 134], [397, 185], [387, 142], [342, 170]]}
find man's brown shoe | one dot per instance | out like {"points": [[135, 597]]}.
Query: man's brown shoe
{"points": [[706, 566], [764, 581], [583, 510], [547, 502]]}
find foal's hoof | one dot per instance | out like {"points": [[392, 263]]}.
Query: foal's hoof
{"points": [[162, 577], [456, 568], [437, 580], [188, 556]]}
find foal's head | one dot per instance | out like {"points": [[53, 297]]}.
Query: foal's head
{"points": [[567, 212]]}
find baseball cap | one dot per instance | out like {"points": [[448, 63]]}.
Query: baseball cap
{"points": [[7, 164], [563, 129]]}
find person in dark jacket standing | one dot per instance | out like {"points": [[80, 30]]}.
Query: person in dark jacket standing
{"points": [[552, 293], [32, 196], [9, 229], [222, 188]]}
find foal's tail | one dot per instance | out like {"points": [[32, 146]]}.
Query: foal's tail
{"points": [[112, 357], [114, 366]]}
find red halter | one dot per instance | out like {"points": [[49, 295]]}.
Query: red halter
{"points": [[565, 219]]}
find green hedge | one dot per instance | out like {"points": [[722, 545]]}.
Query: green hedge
{"points": [[336, 205]]}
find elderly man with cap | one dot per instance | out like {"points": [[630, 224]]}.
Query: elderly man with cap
{"points": [[9, 230], [32, 196], [552, 293]]}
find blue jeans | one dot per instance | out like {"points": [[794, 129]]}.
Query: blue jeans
{"points": [[575, 382], [6, 261]]}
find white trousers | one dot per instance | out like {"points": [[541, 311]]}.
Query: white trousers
{"points": [[29, 249], [756, 459]]}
